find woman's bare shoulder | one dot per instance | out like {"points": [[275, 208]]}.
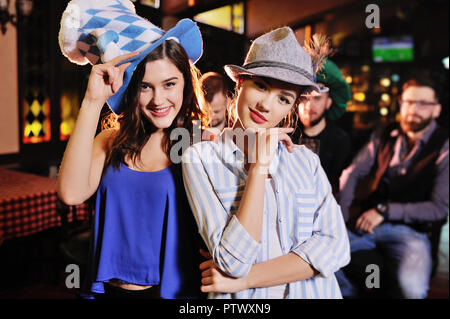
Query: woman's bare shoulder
{"points": [[105, 137]]}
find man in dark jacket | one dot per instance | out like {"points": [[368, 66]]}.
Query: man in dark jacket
{"points": [[317, 130], [405, 172]]}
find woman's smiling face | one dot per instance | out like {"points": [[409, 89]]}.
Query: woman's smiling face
{"points": [[264, 102], [161, 95]]}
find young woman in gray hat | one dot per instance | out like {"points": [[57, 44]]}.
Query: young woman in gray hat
{"points": [[264, 206]]}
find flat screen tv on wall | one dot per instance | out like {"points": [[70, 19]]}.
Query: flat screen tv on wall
{"points": [[393, 49]]}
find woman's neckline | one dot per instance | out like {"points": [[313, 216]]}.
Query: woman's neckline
{"points": [[157, 171]]}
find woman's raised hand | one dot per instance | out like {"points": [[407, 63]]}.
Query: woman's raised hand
{"points": [[266, 145], [107, 78]]}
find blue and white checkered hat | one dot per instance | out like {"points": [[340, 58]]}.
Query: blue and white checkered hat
{"points": [[97, 31]]}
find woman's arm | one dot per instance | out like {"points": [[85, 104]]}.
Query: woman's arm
{"points": [[84, 158], [328, 247], [251, 207], [281, 270], [82, 164]]}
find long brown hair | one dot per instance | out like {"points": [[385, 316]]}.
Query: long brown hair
{"points": [[134, 128]]}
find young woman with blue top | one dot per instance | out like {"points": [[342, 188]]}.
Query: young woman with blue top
{"points": [[144, 241], [264, 206]]}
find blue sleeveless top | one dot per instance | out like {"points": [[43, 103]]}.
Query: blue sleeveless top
{"points": [[144, 233]]}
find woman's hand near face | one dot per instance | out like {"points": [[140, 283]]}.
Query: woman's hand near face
{"points": [[106, 79], [264, 149]]}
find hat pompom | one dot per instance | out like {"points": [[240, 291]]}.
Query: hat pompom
{"points": [[69, 34]]}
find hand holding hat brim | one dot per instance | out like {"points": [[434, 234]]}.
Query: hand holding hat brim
{"points": [[106, 79], [186, 33]]}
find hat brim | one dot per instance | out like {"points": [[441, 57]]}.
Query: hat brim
{"points": [[187, 34], [235, 72]]}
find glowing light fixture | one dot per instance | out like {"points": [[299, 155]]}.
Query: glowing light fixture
{"points": [[445, 62], [395, 77], [69, 111], [359, 96], [385, 82], [385, 97]]}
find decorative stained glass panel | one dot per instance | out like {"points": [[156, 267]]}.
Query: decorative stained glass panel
{"points": [[36, 120], [238, 18], [35, 74], [69, 110]]}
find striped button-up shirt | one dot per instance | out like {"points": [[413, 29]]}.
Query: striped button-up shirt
{"points": [[309, 221]]}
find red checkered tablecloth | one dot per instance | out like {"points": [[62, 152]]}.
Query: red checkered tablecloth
{"points": [[28, 204]]}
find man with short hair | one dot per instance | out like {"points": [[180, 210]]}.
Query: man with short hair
{"points": [[216, 98], [405, 168], [317, 130]]}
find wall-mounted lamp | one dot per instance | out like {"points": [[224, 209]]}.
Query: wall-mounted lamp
{"points": [[386, 82], [24, 7]]}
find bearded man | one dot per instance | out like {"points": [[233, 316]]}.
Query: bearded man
{"points": [[317, 129], [405, 168]]}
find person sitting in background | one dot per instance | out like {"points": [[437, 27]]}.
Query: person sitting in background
{"points": [[317, 130], [216, 98], [406, 167]]}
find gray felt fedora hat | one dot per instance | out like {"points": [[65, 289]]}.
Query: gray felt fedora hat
{"points": [[278, 55]]}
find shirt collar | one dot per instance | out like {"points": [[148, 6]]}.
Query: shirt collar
{"points": [[395, 132], [425, 137], [231, 151]]}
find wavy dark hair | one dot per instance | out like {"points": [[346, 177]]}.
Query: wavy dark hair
{"points": [[134, 128]]}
